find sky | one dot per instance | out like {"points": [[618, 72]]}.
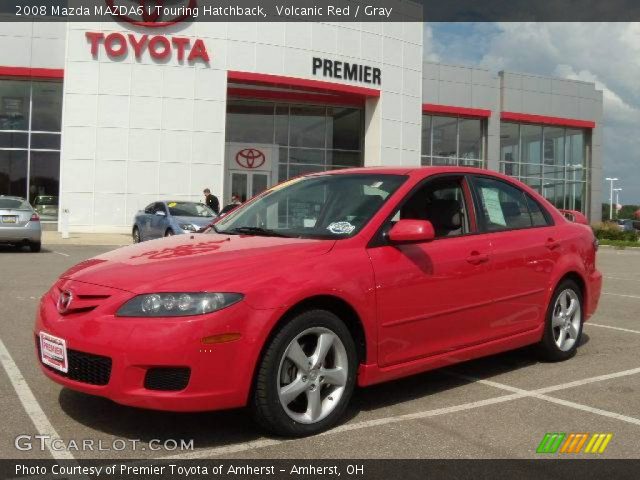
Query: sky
{"points": [[606, 54]]}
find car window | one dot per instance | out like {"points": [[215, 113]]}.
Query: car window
{"points": [[502, 206], [11, 203], [322, 206], [149, 208], [159, 207], [441, 201], [539, 218]]}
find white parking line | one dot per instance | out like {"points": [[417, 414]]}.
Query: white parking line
{"points": [[516, 393], [539, 393], [612, 328], [623, 278], [621, 295], [29, 403], [60, 253]]}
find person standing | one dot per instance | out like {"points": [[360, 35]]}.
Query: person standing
{"points": [[211, 201]]}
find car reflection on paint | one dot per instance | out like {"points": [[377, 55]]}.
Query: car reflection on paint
{"points": [[167, 218]]}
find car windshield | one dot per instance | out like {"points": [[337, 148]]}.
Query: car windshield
{"points": [[189, 209], [324, 206], [12, 203], [46, 200]]}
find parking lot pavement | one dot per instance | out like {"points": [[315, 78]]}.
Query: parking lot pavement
{"points": [[494, 407]]}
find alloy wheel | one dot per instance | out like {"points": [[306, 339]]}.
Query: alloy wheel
{"points": [[312, 375], [566, 319]]}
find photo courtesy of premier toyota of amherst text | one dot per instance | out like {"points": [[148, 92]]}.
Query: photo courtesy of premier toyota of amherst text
{"points": [[368, 239]]}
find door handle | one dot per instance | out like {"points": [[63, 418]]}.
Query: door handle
{"points": [[477, 258], [552, 244]]}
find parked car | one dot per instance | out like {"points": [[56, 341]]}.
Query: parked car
{"points": [[163, 219], [626, 225], [19, 223], [325, 282], [46, 206]]}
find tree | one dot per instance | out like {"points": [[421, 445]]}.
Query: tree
{"points": [[628, 211]]}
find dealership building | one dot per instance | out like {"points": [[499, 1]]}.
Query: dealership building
{"points": [[107, 117]]}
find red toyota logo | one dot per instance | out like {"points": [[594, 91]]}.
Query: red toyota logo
{"points": [[250, 158], [152, 12], [64, 301]]}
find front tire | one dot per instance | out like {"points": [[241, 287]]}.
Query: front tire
{"points": [[136, 235], [563, 327], [306, 377], [169, 233]]}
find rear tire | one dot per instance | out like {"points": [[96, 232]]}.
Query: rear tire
{"points": [[563, 326], [306, 376], [35, 247]]}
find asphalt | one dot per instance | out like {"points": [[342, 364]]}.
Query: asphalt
{"points": [[496, 407]]}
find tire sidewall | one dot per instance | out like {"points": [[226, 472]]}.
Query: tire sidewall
{"points": [[549, 347], [280, 422]]}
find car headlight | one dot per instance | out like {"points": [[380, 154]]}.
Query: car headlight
{"points": [[177, 304], [188, 227]]}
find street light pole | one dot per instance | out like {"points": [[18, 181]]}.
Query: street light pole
{"points": [[611, 196], [617, 190]]}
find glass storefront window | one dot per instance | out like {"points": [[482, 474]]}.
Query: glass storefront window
{"points": [[47, 107], [309, 127], [30, 124], [312, 138], [13, 172], [531, 140], [445, 132], [456, 141], [14, 104], [552, 160], [250, 122], [470, 142], [510, 142], [343, 132]]}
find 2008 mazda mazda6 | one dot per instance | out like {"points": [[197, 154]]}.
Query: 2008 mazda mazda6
{"points": [[322, 283]]}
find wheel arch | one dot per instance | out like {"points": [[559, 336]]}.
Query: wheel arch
{"points": [[578, 279], [340, 308]]}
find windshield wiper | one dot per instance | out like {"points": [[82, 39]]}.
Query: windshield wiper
{"points": [[265, 232]]}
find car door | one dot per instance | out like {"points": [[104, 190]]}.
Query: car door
{"points": [[158, 221], [433, 297], [524, 252], [143, 220]]}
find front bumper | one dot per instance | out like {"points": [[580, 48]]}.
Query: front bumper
{"points": [[31, 232], [220, 374]]}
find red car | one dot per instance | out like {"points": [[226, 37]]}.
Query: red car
{"points": [[321, 283]]}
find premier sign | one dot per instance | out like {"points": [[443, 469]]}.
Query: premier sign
{"points": [[346, 71], [159, 47]]}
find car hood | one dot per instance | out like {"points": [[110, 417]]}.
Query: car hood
{"points": [[197, 221], [194, 262]]}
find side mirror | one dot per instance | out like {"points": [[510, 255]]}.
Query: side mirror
{"points": [[412, 231], [161, 213]]}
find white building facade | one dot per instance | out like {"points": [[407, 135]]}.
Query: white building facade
{"points": [[105, 118]]}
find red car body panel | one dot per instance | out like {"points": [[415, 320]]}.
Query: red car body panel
{"points": [[421, 306]]}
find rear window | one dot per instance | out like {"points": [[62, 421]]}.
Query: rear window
{"points": [[46, 200], [12, 203]]}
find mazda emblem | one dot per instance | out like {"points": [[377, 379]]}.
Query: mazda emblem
{"points": [[64, 301]]}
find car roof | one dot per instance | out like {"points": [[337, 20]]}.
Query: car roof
{"points": [[415, 171]]}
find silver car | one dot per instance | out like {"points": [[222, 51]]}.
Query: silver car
{"points": [[19, 223]]}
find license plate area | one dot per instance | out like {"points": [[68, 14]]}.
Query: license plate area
{"points": [[9, 219], [53, 352]]}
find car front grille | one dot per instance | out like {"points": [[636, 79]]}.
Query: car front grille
{"points": [[167, 378], [83, 367]]}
